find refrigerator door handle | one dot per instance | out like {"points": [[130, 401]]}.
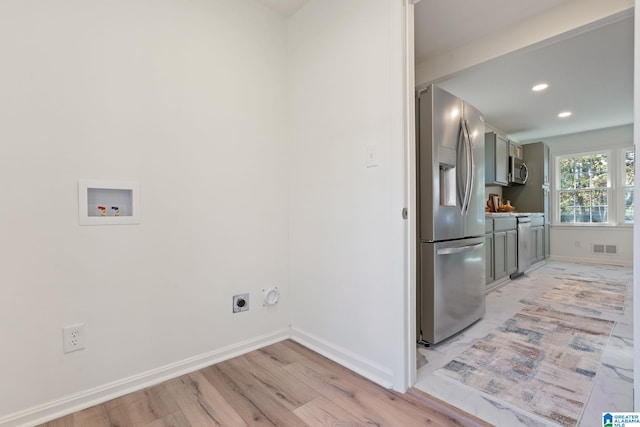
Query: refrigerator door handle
{"points": [[463, 158], [458, 249], [465, 155], [471, 167], [461, 180]]}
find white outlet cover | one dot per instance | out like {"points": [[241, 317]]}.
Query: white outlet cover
{"points": [[271, 296], [73, 338]]}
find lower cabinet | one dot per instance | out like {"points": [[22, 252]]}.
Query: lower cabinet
{"points": [[538, 248], [500, 255], [537, 244], [501, 241], [488, 243], [512, 251], [547, 241]]}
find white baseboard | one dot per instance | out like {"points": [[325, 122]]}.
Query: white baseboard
{"points": [[593, 260], [76, 402], [60, 407], [368, 369]]}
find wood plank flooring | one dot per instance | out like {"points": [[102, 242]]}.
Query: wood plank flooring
{"points": [[284, 384]]}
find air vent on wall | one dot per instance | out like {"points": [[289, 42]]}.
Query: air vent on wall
{"points": [[604, 249]]}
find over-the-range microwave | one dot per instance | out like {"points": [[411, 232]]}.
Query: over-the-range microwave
{"points": [[518, 171]]}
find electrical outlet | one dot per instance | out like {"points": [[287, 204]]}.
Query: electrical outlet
{"points": [[240, 303], [73, 338]]}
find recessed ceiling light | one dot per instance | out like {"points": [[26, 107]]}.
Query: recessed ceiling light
{"points": [[564, 114], [539, 87]]}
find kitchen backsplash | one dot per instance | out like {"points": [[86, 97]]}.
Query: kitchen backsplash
{"points": [[492, 189]]}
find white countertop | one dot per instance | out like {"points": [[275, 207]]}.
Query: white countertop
{"points": [[501, 214]]}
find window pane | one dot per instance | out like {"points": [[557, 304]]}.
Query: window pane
{"points": [[581, 172], [566, 174], [599, 214], [590, 171], [567, 207], [583, 206], [598, 171], [629, 162], [599, 198], [628, 206], [568, 215]]}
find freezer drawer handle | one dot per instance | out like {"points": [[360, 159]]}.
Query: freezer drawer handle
{"points": [[459, 249]]}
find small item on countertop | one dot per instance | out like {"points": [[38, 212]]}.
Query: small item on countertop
{"points": [[507, 207], [493, 203], [497, 202]]}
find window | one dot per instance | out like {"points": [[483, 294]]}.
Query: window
{"points": [[629, 172], [584, 188], [596, 188]]}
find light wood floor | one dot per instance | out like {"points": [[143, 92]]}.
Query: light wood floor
{"points": [[284, 384]]}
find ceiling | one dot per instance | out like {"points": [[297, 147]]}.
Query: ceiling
{"points": [[589, 74], [436, 31]]}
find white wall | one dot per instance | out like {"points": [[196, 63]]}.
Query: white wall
{"points": [[188, 98], [613, 137], [575, 244], [346, 225], [572, 243]]}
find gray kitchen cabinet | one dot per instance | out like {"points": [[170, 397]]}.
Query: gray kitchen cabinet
{"points": [[496, 157], [500, 255], [501, 241], [515, 150], [537, 239], [512, 251], [537, 244], [547, 240], [488, 244]]}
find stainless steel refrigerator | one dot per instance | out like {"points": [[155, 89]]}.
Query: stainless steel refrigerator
{"points": [[450, 187]]}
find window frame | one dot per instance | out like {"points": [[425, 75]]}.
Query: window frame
{"points": [[616, 187], [623, 184]]}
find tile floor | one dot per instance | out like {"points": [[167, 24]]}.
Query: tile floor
{"points": [[613, 388]]}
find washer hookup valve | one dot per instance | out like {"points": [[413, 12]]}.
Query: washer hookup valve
{"points": [[103, 210], [116, 210]]}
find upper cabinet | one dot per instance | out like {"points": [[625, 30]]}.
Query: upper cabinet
{"points": [[515, 150], [534, 195], [496, 158]]}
